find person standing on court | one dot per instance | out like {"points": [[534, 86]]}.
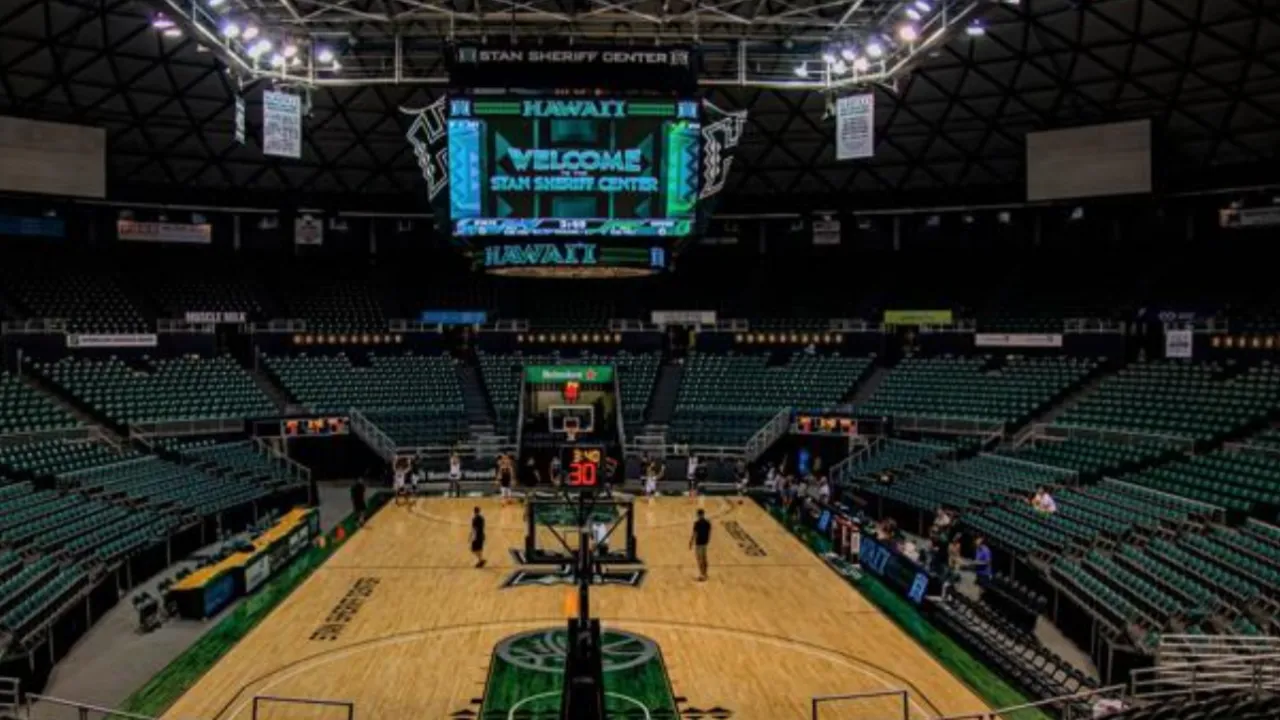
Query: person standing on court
{"points": [[477, 537], [698, 542], [358, 506]]}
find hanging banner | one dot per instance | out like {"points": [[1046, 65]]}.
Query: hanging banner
{"points": [[137, 340], [855, 126], [281, 124], [918, 317], [1177, 344], [227, 317], [683, 317], [566, 373], [240, 120], [556, 64], [308, 230], [454, 317], [190, 233], [1017, 340], [826, 230]]}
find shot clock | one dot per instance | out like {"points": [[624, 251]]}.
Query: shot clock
{"points": [[583, 465]]}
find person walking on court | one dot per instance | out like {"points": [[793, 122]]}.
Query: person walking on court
{"points": [[477, 537], [698, 542]]}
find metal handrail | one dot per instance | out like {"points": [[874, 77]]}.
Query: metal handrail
{"points": [[372, 435], [84, 708], [773, 429]]}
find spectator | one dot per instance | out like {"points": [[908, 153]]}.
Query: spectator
{"points": [[982, 560], [1044, 502], [824, 491]]}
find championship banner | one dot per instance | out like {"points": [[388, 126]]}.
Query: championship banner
{"points": [[191, 234], [826, 230], [566, 373], [138, 340], [683, 317], [1017, 340], [1178, 344], [281, 124], [856, 126], [918, 317], [228, 318], [308, 230], [561, 65]]}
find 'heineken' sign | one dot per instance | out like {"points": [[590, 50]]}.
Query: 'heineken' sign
{"points": [[566, 373]]}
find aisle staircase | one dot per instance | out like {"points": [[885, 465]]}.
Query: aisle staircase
{"points": [[665, 391]]}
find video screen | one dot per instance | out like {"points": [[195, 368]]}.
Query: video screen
{"points": [[573, 167]]}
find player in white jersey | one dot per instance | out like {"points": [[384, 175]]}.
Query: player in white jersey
{"points": [[455, 475], [398, 477], [650, 477], [691, 475]]}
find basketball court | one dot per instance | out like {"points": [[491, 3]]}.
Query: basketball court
{"points": [[400, 624]]}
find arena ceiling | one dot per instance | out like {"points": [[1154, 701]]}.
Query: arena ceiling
{"points": [[950, 128]]}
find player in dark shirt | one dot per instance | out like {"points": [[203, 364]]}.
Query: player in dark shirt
{"points": [[699, 540], [477, 537], [358, 505]]}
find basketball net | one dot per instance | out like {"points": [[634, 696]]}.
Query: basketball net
{"points": [[571, 429]]}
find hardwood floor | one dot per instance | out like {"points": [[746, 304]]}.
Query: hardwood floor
{"points": [[400, 623]]}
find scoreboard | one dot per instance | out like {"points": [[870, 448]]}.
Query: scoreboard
{"points": [[573, 167], [825, 424], [315, 427]]}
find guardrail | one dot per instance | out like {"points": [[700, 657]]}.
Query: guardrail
{"points": [[949, 425], [183, 428], [372, 435], [83, 709], [282, 325], [1242, 672], [172, 326], [34, 326], [1064, 432], [1077, 706], [776, 427], [293, 469], [82, 432]]}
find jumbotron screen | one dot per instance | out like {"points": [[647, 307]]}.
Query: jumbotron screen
{"points": [[573, 167]]}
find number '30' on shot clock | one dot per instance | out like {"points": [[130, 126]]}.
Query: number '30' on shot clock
{"points": [[583, 465]]}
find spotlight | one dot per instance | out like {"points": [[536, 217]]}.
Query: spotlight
{"points": [[250, 32], [336, 66], [290, 50], [295, 62], [161, 22], [908, 33], [802, 70], [325, 55], [923, 6], [913, 13], [840, 67], [849, 53], [230, 30], [861, 64], [216, 3], [828, 57], [259, 48], [976, 29], [875, 49], [173, 32]]}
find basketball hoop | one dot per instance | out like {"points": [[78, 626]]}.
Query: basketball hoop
{"points": [[571, 429]]}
